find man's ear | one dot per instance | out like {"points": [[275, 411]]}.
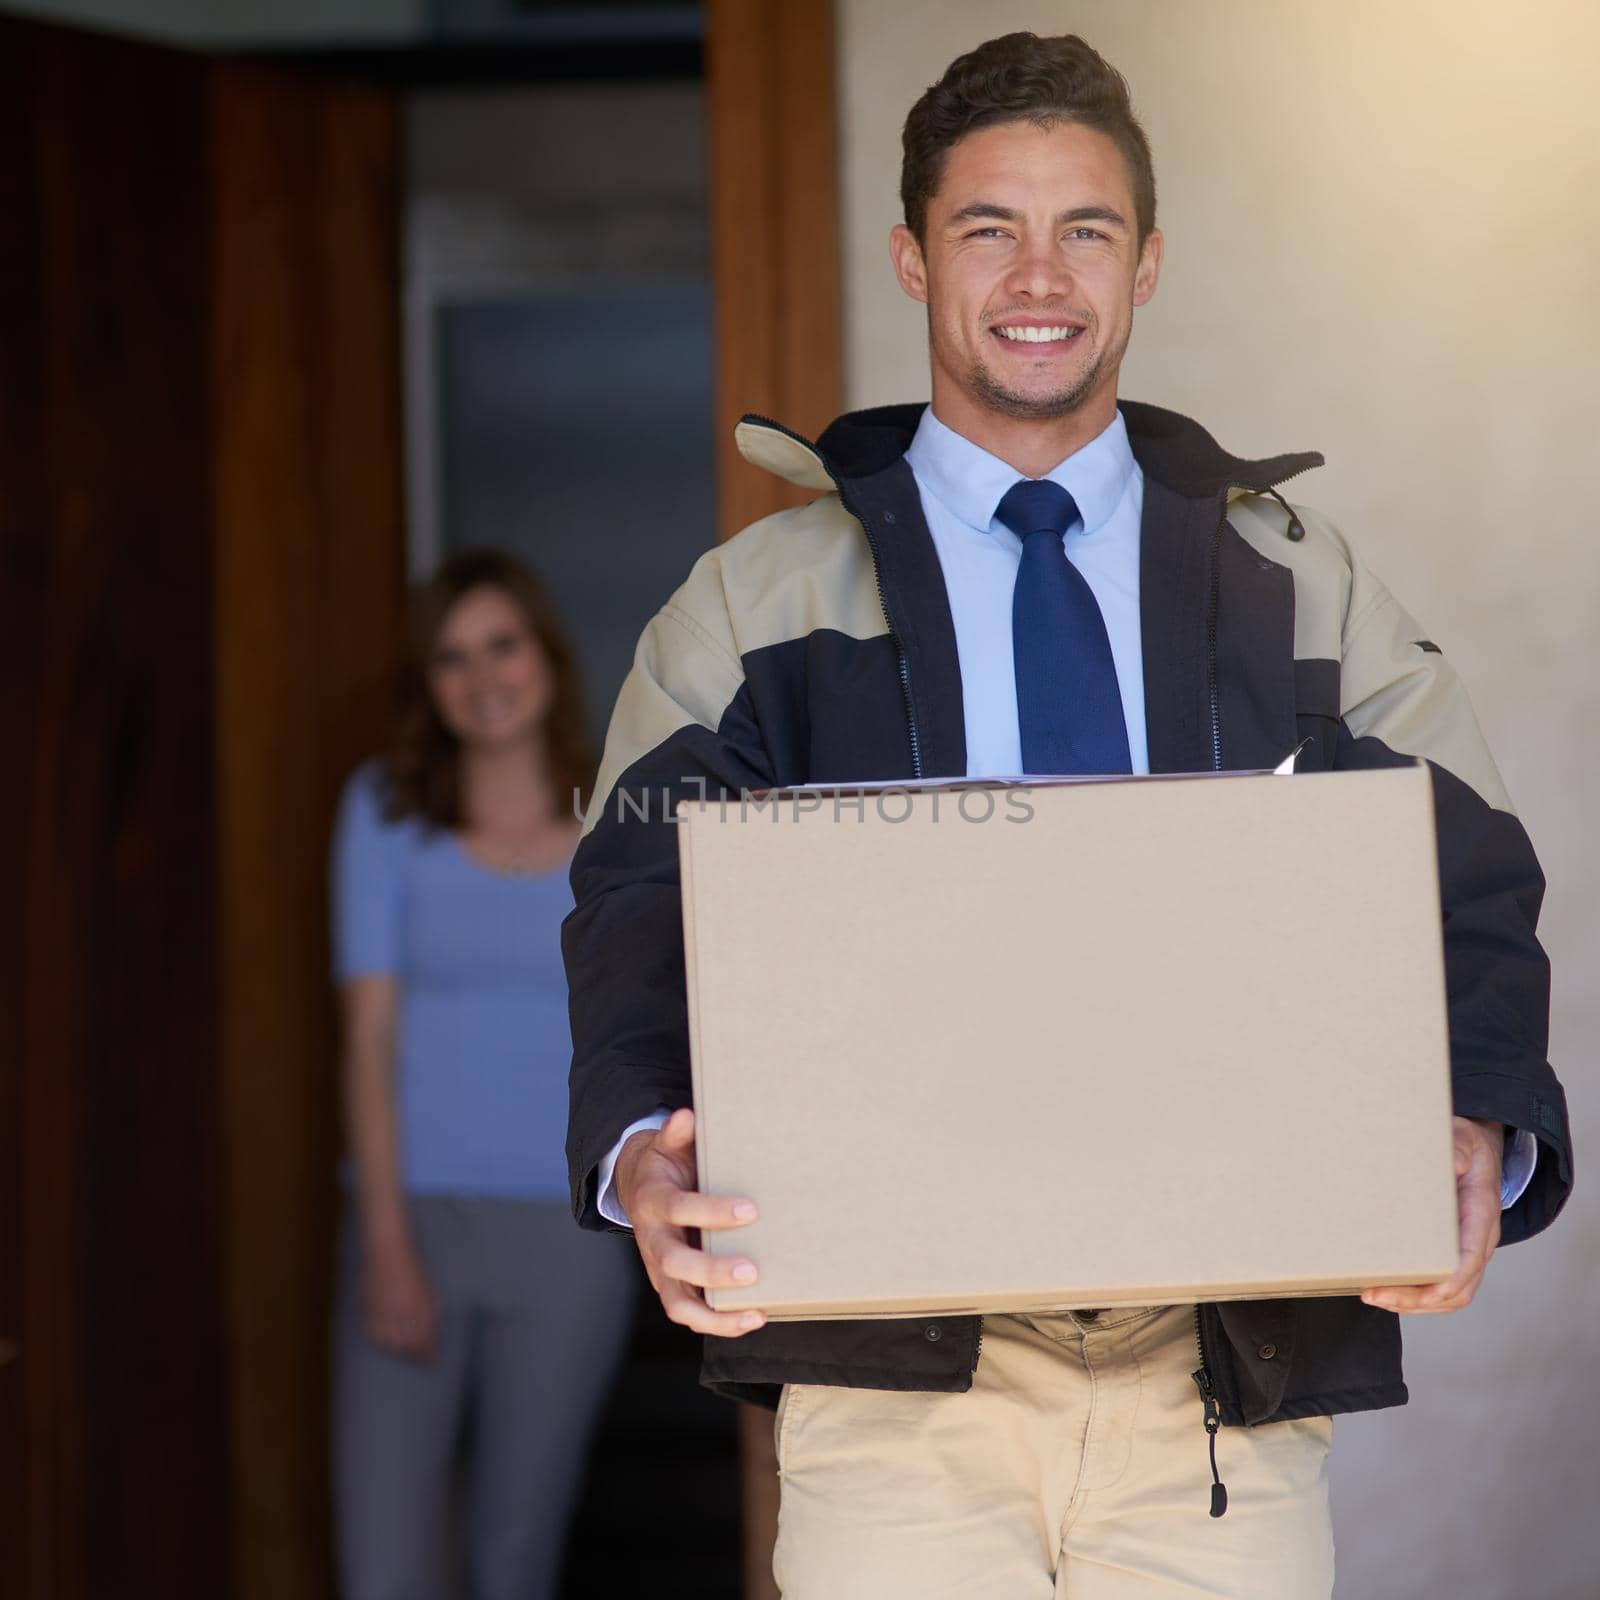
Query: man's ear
{"points": [[909, 267], [1149, 268]]}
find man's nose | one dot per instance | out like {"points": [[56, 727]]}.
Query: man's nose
{"points": [[1038, 271]]}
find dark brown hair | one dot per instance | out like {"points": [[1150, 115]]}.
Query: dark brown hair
{"points": [[1023, 78], [423, 766]]}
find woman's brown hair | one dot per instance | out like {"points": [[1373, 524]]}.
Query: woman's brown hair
{"points": [[423, 765]]}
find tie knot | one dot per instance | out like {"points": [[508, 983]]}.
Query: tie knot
{"points": [[1036, 505]]}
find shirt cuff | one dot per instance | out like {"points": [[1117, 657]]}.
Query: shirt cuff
{"points": [[1516, 1167], [610, 1207]]}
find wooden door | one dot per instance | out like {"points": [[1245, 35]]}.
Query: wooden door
{"points": [[116, 1395], [201, 560]]}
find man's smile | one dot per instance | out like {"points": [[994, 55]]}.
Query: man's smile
{"points": [[1057, 332]]}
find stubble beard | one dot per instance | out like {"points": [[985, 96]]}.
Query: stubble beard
{"points": [[993, 395]]}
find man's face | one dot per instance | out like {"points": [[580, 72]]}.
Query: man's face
{"points": [[1030, 269]]}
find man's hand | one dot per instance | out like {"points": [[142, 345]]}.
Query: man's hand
{"points": [[655, 1179], [1480, 1147]]}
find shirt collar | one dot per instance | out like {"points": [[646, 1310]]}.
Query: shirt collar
{"points": [[970, 482]]}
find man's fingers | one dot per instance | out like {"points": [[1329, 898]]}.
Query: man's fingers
{"points": [[1478, 1200], [660, 1204], [677, 1132], [1480, 1219], [686, 1208], [1425, 1299], [664, 1212], [1453, 1294], [706, 1271], [686, 1307], [1480, 1233], [678, 1272], [1412, 1299]]}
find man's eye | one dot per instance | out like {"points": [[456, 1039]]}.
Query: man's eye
{"points": [[987, 233], [1086, 233]]}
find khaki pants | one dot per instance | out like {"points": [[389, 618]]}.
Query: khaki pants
{"points": [[1076, 1466]]}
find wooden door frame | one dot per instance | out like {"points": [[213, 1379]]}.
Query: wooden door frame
{"points": [[309, 605], [776, 282], [774, 200]]}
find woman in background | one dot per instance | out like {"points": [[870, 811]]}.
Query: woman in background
{"points": [[472, 1314]]}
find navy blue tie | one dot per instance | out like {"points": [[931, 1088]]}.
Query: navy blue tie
{"points": [[1068, 705]]}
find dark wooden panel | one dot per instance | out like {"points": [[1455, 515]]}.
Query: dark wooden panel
{"points": [[774, 232], [107, 572], [201, 561], [28, 1468], [309, 601]]}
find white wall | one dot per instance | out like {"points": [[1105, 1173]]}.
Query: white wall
{"points": [[1383, 242]]}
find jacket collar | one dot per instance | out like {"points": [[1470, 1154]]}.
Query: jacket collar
{"points": [[970, 483], [1186, 562], [1170, 448]]}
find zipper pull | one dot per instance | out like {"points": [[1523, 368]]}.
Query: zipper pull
{"points": [[1208, 1397], [1295, 531]]}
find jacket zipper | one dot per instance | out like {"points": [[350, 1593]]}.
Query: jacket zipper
{"points": [[1213, 1417], [877, 578], [888, 622], [1213, 605], [1296, 532]]}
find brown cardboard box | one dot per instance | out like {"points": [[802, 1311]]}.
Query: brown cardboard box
{"points": [[1068, 1045]]}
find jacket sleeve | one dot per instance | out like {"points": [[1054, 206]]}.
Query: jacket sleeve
{"points": [[682, 727], [1401, 699]]}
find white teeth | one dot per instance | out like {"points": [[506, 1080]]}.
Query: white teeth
{"points": [[1036, 335]]}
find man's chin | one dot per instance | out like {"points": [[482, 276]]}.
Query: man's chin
{"points": [[1032, 406]]}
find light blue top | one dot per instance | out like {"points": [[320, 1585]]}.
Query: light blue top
{"points": [[961, 485], [484, 1043]]}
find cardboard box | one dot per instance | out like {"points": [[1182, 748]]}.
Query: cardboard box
{"points": [[1082, 1044]]}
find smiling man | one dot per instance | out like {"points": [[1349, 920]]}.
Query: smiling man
{"points": [[1028, 576], [1030, 248]]}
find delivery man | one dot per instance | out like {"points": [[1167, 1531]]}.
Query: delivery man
{"points": [[1028, 576]]}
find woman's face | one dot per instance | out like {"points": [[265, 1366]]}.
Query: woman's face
{"points": [[489, 677]]}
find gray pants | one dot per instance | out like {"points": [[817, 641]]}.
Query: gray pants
{"points": [[533, 1319]]}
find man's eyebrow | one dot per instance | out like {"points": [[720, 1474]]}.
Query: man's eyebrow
{"points": [[986, 209], [990, 211], [1093, 214]]}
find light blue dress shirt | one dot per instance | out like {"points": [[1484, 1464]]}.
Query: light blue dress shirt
{"points": [[961, 485]]}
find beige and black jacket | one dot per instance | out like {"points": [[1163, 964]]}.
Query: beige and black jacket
{"points": [[817, 647]]}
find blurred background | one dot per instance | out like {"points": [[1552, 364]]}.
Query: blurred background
{"points": [[297, 299]]}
